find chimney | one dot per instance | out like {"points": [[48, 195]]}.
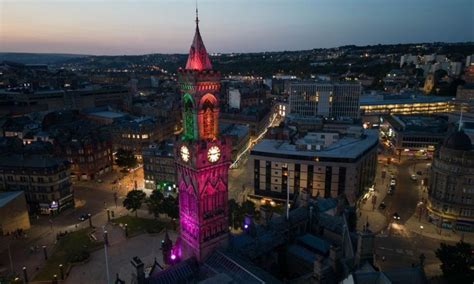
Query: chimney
{"points": [[140, 269]]}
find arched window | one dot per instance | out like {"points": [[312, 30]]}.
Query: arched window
{"points": [[208, 119], [208, 112]]}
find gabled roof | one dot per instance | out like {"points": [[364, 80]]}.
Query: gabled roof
{"points": [[198, 59]]}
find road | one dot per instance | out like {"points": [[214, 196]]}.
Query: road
{"points": [[399, 246], [406, 195], [240, 172]]}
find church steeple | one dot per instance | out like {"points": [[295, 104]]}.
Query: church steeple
{"points": [[198, 59]]}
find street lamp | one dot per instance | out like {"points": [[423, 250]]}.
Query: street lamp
{"points": [[45, 253], [421, 229], [61, 271], [25, 275], [90, 220]]}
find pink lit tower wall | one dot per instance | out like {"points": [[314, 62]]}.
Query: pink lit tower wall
{"points": [[202, 157]]}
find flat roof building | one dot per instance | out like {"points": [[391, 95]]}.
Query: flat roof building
{"points": [[405, 104], [325, 164], [410, 133], [338, 100]]}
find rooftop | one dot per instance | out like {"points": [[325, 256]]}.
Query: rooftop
{"points": [[7, 196], [233, 129], [108, 114], [388, 99], [346, 147], [422, 123], [315, 243], [163, 149], [38, 161]]}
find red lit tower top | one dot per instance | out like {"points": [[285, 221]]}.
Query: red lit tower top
{"points": [[198, 58]]}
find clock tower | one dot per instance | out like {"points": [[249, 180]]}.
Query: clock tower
{"points": [[202, 157]]}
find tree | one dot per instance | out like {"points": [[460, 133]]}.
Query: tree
{"points": [[456, 261], [171, 207], [125, 159], [155, 203], [134, 199]]}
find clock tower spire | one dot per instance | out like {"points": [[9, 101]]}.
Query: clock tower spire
{"points": [[202, 156]]}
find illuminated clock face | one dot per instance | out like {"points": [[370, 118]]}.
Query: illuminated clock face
{"points": [[184, 151], [213, 154]]}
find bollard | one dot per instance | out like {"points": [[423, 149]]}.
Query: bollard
{"points": [[90, 220], [61, 271], [126, 230], [108, 215]]}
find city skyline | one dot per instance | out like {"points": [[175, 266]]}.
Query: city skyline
{"points": [[92, 27]]}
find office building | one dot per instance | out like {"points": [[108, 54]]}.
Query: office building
{"points": [[383, 104], [86, 145], [136, 134], [325, 164], [159, 165], [338, 100], [43, 178], [408, 134]]}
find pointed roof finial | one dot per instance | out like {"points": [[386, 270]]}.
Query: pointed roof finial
{"points": [[198, 59], [197, 13]]}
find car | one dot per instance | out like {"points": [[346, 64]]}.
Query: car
{"points": [[396, 216], [414, 177], [382, 206], [391, 190], [393, 182], [84, 217]]}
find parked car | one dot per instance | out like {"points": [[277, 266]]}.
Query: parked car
{"points": [[396, 216], [393, 182], [391, 190], [382, 206], [414, 177], [84, 217]]}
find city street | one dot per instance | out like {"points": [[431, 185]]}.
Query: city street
{"points": [[241, 172], [402, 241]]}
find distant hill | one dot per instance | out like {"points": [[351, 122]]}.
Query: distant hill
{"points": [[38, 58]]}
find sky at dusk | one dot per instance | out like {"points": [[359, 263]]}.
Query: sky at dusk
{"points": [[167, 26]]}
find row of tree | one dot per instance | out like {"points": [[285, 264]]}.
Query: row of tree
{"points": [[157, 203]]}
